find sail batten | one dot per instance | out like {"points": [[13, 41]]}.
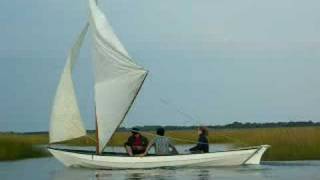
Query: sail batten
{"points": [[66, 122], [117, 78]]}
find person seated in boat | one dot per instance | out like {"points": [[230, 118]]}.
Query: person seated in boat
{"points": [[162, 144], [136, 143], [202, 145]]}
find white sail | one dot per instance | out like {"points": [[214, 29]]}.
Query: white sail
{"points": [[117, 78], [66, 122]]}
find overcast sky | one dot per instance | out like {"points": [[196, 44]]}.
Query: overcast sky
{"points": [[218, 61]]}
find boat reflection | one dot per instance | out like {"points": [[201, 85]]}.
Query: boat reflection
{"points": [[156, 174]]}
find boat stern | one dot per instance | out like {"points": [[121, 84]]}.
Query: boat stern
{"points": [[256, 157]]}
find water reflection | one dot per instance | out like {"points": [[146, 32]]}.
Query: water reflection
{"points": [[159, 174], [204, 174], [135, 176], [156, 174], [100, 175]]}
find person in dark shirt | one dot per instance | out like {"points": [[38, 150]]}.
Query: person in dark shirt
{"points": [[136, 143], [202, 146]]}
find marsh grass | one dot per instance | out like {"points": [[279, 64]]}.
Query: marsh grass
{"points": [[286, 143], [302, 143], [14, 146]]}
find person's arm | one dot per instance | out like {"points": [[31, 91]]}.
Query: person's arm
{"points": [[174, 149], [128, 146], [148, 148], [145, 141], [129, 141], [196, 147]]}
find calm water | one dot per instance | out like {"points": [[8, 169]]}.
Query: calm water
{"points": [[50, 168]]}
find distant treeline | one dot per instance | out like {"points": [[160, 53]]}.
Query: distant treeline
{"points": [[234, 125]]}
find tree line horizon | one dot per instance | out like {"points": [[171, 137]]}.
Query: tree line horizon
{"points": [[233, 125]]}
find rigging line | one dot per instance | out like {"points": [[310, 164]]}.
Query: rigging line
{"points": [[91, 138], [192, 141], [177, 139], [192, 118], [178, 109]]}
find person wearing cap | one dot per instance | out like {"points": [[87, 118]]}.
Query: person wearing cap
{"points": [[136, 143], [162, 144]]}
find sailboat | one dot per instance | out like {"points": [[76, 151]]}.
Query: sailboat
{"points": [[118, 80]]}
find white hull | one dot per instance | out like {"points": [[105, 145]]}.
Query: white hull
{"points": [[72, 158]]}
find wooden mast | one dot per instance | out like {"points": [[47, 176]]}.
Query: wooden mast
{"points": [[97, 131]]}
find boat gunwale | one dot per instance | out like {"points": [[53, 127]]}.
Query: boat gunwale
{"points": [[120, 154]]}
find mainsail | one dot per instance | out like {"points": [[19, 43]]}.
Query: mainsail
{"points": [[117, 78], [66, 121]]}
